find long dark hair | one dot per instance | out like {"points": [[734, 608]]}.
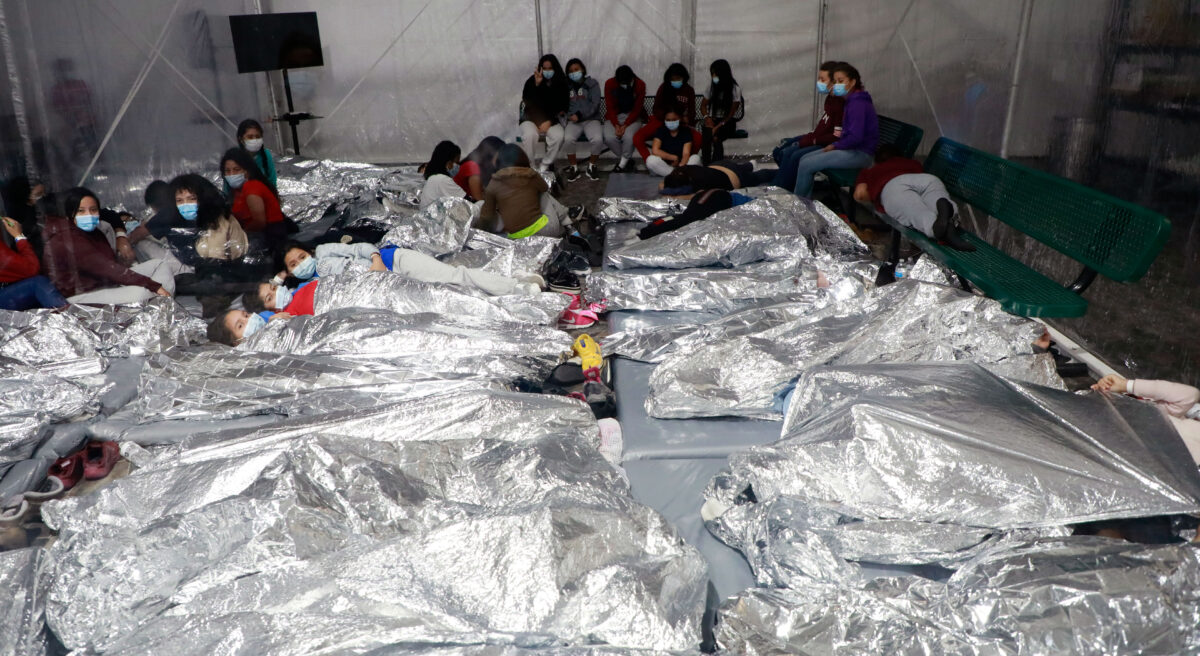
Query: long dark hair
{"points": [[243, 159], [674, 70], [559, 81], [575, 60], [210, 203], [850, 72], [72, 197], [485, 156], [625, 75], [245, 126], [511, 155], [443, 153], [722, 95]]}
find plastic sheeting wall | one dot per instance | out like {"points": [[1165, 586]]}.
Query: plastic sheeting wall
{"points": [[176, 111]]}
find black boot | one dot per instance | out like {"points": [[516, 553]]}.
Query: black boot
{"points": [[945, 230]]}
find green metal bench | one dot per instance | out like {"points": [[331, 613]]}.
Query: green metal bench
{"points": [[903, 136], [1108, 236]]}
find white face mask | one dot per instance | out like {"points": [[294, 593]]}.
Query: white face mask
{"points": [[1193, 412], [253, 145]]}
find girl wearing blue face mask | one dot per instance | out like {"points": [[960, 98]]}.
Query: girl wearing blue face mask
{"points": [[676, 93], [439, 174], [82, 264], [583, 117], [787, 155], [255, 203], [546, 99], [672, 146], [855, 146]]}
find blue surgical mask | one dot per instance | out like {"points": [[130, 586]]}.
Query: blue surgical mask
{"points": [[306, 269], [547, 74], [716, 80], [575, 76], [822, 87], [87, 222], [254, 324], [235, 181], [839, 89], [283, 296], [454, 171], [188, 211], [132, 225], [677, 84], [672, 125]]}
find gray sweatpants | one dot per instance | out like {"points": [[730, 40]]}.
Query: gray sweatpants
{"points": [[912, 199], [554, 142], [595, 137], [623, 146], [161, 271], [419, 266]]}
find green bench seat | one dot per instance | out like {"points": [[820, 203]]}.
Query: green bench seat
{"points": [[902, 135], [1108, 236]]}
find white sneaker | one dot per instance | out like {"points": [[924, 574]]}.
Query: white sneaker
{"points": [[533, 278]]}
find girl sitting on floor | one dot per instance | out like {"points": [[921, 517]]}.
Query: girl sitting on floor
{"points": [[439, 174]]}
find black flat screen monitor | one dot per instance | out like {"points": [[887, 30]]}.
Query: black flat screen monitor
{"points": [[269, 42]]}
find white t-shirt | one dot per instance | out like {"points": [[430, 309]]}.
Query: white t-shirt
{"points": [[737, 95], [439, 186]]}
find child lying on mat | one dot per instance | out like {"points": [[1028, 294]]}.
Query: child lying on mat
{"points": [[1181, 404], [305, 263]]}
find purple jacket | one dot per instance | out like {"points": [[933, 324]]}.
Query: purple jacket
{"points": [[860, 124]]}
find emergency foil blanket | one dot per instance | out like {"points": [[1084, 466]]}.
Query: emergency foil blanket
{"points": [[440, 229], [504, 256], [1050, 596], [908, 321], [387, 291], [467, 520], [776, 227], [307, 188], [922, 463], [221, 383], [430, 343]]}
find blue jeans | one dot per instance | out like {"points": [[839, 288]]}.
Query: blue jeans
{"points": [[777, 154], [30, 293], [789, 159], [811, 163]]}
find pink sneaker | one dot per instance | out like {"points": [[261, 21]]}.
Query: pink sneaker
{"points": [[576, 319], [598, 307]]}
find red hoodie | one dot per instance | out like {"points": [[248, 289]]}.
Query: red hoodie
{"points": [[19, 263], [610, 102], [78, 261], [302, 299]]}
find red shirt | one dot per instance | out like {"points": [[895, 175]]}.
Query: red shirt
{"points": [[17, 264], [241, 210], [684, 96], [302, 299], [611, 111], [465, 171], [877, 177]]}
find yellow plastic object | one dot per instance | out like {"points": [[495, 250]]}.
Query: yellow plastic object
{"points": [[590, 356]]}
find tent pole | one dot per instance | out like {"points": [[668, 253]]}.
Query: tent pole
{"points": [[537, 16], [1026, 16], [18, 96], [822, 8], [687, 44]]}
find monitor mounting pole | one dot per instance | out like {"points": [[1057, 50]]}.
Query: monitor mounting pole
{"points": [[291, 110]]}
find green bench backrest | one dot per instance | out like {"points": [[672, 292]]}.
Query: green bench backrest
{"points": [[1115, 238], [901, 135]]}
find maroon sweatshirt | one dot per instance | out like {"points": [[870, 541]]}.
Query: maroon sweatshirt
{"points": [[831, 118], [78, 262]]}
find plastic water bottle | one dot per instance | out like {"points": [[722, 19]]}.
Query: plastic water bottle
{"points": [[901, 270]]}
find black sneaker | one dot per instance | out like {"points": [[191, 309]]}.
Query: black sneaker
{"points": [[601, 399], [571, 173], [570, 260], [563, 281], [618, 168], [574, 211], [591, 172]]}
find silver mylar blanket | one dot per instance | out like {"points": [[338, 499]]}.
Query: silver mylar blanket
{"points": [[908, 321], [24, 577], [504, 256], [440, 229], [431, 343], [307, 188], [387, 291], [472, 518], [1050, 596], [921, 463]]}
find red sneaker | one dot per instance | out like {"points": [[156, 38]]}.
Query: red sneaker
{"points": [[69, 470], [576, 319], [99, 459]]}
